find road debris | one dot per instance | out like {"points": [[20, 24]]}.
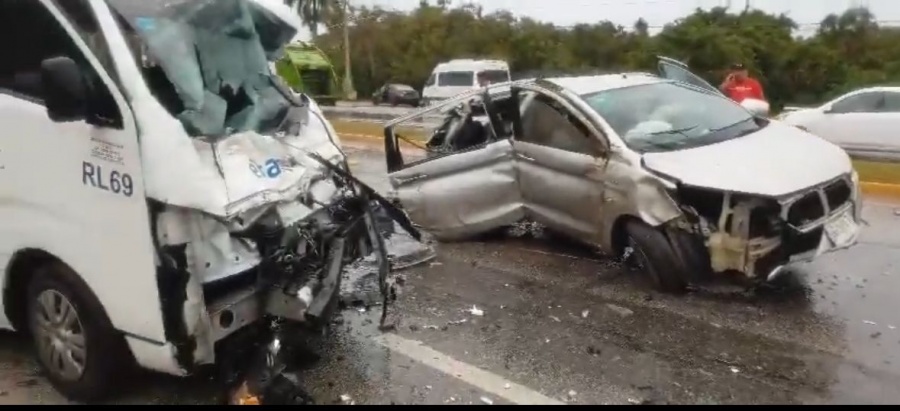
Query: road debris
{"points": [[506, 386], [346, 400], [475, 311], [572, 393], [584, 313], [624, 312], [555, 318], [734, 370], [487, 400], [869, 322]]}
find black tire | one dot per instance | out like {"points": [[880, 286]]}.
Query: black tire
{"points": [[105, 356], [655, 257]]}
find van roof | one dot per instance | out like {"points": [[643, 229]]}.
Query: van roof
{"points": [[471, 65]]}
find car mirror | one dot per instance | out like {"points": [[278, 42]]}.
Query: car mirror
{"points": [[65, 93]]}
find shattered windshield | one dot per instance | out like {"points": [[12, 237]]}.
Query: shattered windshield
{"points": [[207, 61], [668, 116]]}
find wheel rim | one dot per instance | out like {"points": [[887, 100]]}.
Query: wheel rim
{"points": [[59, 335], [641, 260]]}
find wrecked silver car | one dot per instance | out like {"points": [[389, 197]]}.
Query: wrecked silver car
{"points": [[673, 176]]}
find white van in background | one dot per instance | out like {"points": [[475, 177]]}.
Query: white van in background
{"points": [[456, 76]]}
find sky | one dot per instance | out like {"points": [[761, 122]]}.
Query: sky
{"points": [[659, 12]]}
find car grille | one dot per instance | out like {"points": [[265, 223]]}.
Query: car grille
{"points": [[816, 205]]}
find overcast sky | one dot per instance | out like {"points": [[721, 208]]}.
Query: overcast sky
{"points": [[659, 12]]}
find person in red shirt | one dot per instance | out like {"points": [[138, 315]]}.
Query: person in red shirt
{"points": [[739, 85]]}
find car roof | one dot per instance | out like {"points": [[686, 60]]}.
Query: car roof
{"points": [[583, 85]]}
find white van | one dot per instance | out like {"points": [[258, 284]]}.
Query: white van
{"points": [[456, 76], [161, 189]]}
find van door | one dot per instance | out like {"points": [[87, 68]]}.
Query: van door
{"points": [[73, 187]]}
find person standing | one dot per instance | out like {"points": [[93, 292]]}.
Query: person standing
{"points": [[739, 85]]}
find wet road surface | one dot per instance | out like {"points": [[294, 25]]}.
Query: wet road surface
{"points": [[557, 324]]}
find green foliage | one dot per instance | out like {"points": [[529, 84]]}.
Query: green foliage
{"points": [[847, 51]]}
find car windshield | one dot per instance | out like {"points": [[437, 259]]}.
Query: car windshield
{"points": [[496, 76], [207, 61], [456, 79], [670, 116]]}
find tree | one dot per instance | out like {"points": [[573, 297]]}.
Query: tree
{"points": [[313, 12], [848, 51]]}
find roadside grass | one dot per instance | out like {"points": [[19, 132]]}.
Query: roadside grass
{"points": [[376, 130], [869, 171], [877, 172]]}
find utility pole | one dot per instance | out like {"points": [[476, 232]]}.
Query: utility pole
{"points": [[746, 6], [349, 91]]}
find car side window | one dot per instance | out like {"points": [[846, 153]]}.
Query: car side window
{"points": [[545, 122], [869, 102], [20, 68], [891, 102]]}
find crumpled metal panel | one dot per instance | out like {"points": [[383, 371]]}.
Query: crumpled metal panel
{"points": [[474, 193]]}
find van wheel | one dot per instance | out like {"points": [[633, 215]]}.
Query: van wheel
{"points": [[654, 256], [76, 345]]}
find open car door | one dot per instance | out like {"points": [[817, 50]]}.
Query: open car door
{"points": [[672, 69], [458, 179]]}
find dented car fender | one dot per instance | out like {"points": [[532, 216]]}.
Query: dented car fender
{"points": [[636, 193]]}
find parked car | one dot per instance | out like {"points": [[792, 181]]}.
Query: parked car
{"points": [[672, 176], [864, 121], [395, 95]]}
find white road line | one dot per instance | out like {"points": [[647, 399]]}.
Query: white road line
{"points": [[485, 380]]}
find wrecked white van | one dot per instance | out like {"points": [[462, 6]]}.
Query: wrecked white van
{"points": [[160, 189], [661, 169]]}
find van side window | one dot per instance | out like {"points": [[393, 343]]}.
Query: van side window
{"points": [[82, 18], [28, 21], [456, 79], [431, 80]]}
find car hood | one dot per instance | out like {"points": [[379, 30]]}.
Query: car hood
{"points": [[776, 161]]}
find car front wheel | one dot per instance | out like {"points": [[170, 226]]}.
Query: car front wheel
{"points": [[652, 253], [76, 345]]}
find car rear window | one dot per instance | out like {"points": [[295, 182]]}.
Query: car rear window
{"points": [[456, 79]]}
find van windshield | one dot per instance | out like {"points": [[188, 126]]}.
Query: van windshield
{"points": [[496, 76], [207, 61], [456, 79]]}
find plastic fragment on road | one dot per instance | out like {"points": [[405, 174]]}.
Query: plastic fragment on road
{"points": [[475, 311], [584, 313], [487, 401]]}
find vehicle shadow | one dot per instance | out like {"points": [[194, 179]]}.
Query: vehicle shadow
{"points": [[21, 381], [791, 287]]}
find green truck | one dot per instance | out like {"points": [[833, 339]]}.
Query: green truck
{"points": [[306, 69]]}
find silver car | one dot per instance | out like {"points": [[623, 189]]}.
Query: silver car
{"points": [[680, 180], [863, 122]]}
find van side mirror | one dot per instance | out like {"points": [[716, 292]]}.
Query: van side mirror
{"points": [[65, 92]]}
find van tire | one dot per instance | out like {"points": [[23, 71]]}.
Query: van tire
{"points": [[654, 256], [105, 351]]}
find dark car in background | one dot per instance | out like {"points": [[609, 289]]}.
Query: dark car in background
{"points": [[396, 95]]}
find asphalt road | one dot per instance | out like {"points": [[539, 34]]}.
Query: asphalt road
{"points": [[560, 325]]}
